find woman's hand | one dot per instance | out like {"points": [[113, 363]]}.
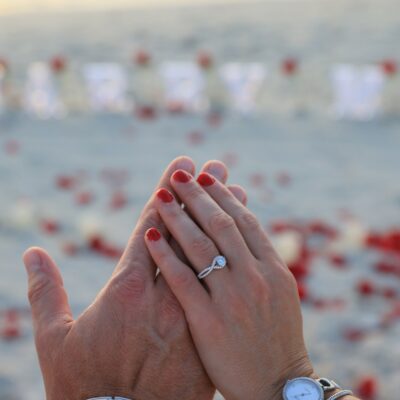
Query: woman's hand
{"points": [[133, 340], [245, 320]]}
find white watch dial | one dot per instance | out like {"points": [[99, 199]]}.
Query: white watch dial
{"points": [[303, 389]]}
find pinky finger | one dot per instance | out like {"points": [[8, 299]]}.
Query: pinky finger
{"points": [[183, 282]]}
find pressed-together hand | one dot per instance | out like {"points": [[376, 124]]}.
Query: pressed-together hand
{"points": [[133, 340], [246, 320]]}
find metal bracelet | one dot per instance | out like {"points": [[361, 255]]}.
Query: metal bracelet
{"points": [[328, 384], [341, 394]]}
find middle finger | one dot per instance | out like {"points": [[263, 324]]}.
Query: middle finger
{"points": [[214, 221]]}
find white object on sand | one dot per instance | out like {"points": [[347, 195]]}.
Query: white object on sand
{"points": [[90, 225], [183, 84], [40, 97], [107, 86], [244, 82], [288, 246], [352, 237], [22, 215], [357, 91]]}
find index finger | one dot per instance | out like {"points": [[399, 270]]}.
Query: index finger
{"points": [[135, 255]]}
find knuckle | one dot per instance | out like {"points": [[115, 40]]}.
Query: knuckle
{"points": [[288, 278], [129, 285], [183, 280], [39, 288], [268, 253], [248, 220], [150, 218], [194, 191], [163, 259], [221, 222], [203, 245], [135, 282], [173, 212]]}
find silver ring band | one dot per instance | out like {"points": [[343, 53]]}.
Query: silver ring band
{"points": [[219, 262], [341, 394]]}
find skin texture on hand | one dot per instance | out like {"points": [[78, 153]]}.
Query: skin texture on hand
{"points": [[133, 340], [245, 319]]}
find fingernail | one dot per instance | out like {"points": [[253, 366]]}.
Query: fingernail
{"points": [[33, 262], [153, 235], [165, 196], [181, 176], [205, 179]]}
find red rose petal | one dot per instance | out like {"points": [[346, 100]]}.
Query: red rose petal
{"points": [[118, 200], [84, 198], [58, 64], [366, 288], [50, 226], [367, 388], [289, 66]]}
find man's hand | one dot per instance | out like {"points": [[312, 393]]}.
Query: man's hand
{"points": [[133, 341]]}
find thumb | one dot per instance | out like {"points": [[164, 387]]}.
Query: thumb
{"points": [[46, 293]]}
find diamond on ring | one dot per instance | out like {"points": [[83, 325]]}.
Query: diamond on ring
{"points": [[219, 262]]}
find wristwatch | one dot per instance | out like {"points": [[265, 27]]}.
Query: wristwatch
{"points": [[308, 389]]}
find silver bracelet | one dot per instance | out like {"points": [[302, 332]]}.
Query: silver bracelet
{"points": [[341, 394]]}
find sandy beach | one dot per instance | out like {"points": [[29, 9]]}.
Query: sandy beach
{"points": [[310, 171]]}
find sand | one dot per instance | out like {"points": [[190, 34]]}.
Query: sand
{"points": [[333, 166]]}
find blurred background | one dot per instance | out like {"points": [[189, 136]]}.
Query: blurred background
{"points": [[301, 99]]}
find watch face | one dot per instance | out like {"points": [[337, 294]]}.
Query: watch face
{"points": [[303, 389]]}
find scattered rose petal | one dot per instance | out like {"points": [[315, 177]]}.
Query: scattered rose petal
{"points": [[50, 226], [367, 388], [118, 200], [195, 138], [366, 288]]}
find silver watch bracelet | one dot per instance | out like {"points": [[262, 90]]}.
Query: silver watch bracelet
{"points": [[341, 394]]}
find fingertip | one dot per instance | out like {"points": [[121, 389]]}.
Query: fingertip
{"points": [[217, 169], [30, 253], [32, 259], [37, 260], [239, 193], [185, 163]]}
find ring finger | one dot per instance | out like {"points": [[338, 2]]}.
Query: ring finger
{"points": [[199, 249]]}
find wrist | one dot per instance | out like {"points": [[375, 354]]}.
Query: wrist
{"points": [[328, 388], [301, 369]]}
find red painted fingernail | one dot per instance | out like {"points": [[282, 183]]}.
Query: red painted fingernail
{"points": [[165, 196], [205, 179], [181, 176], [153, 235]]}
